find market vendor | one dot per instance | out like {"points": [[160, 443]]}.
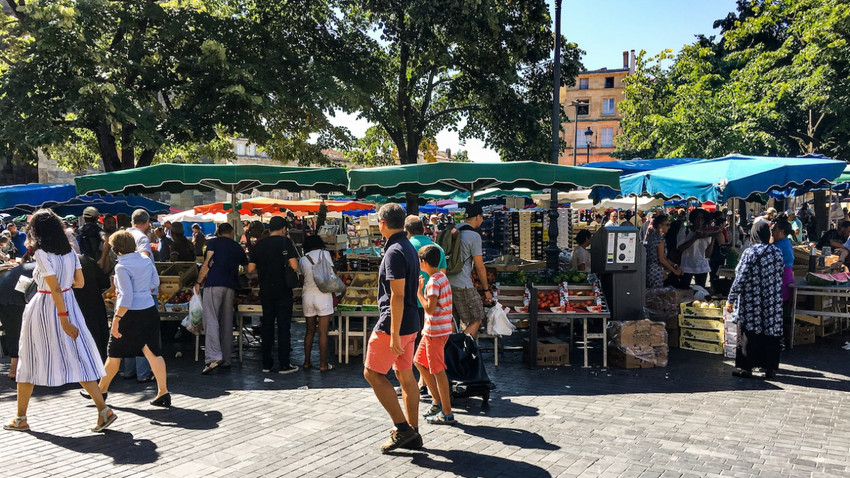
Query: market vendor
{"points": [[835, 238], [580, 260]]}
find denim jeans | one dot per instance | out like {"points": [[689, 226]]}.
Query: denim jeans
{"points": [[276, 311], [137, 366]]}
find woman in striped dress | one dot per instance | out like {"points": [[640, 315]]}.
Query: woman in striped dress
{"points": [[55, 347]]}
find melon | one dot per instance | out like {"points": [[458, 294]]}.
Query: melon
{"points": [[841, 278], [819, 279]]}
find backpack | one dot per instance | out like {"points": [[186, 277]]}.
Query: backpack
{"points": [[90, 241], [449, 240]]}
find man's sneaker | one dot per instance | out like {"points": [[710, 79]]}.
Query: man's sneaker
{"points": [[442, 419], [423, 392], [288, 369], [435, 409], [399, 439], [270, 369]]}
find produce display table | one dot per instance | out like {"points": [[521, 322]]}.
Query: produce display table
{"points": [[832, 318], [346, 316]]}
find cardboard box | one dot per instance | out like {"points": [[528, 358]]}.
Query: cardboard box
{"points": [[256, 308], [637, 333], [637, 357], [169, 285], [551, 352], [804, 334], [700, 346], [704, 335], [705, 324], [730, 351]]}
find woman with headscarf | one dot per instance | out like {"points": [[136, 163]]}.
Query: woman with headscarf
{"points": [[56, 347], [756, 295]]}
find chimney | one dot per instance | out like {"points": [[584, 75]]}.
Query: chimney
{"points": [[449, 153], [625, 60], [632, 64]]}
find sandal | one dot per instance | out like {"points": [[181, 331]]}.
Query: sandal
{"points": [[16, 425], [307, 366], [106, 420], [742, 374], [442, 419], [435, 409], [328, 368]]}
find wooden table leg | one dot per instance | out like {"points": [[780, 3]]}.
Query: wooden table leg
{"points": [[584, 345]]}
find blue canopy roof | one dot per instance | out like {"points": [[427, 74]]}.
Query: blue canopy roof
{"points": [[733, 176], [111, 204], [25, 198], [640, 165]]}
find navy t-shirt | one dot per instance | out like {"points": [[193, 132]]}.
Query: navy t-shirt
{"points": [[224, 265], [400, 262]]}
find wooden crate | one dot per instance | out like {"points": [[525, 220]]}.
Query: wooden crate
{"points": [[804, 334], [688, 309], [704, 324], [824, 326], [551, 352], [700, 346], [715, 336], [255, 308], [169, 285]]}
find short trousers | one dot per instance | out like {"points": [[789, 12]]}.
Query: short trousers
{"points": [[137, 328], [380, 358], [431, 353], [468, 307], [317, 304]]}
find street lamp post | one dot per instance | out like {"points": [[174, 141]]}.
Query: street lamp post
{"points": [[552, 251], [588, 135]]}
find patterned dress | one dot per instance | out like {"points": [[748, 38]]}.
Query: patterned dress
{"points": [[756, 294], [48, 356], [654, 271]]}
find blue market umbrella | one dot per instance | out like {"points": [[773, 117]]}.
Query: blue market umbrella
{"points": [[630, 167], [733, 176], [111, 204], [26, 198]]}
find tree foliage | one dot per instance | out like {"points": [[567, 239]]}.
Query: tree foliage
{"points": [[775, 82]]}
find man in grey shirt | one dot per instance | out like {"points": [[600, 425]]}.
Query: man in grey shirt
{"points": [[468, 307]]}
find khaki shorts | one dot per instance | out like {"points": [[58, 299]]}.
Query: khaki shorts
{"points": [[468, 307]]}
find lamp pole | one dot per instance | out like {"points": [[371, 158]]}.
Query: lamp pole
{"points": [[588, 134], [552, 251]]}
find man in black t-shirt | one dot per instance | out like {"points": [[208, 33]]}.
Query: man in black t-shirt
{"points": [[269, 258]]}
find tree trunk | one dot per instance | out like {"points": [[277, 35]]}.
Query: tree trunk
{"points": [[107, 146], [146, 158], [128, 153]]}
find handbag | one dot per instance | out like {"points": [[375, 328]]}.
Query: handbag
{"points": [[325, 278], [26, 286]]}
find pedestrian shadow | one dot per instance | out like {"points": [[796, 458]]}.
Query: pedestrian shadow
{"points": [[509, 436], [175, 417], [468, 464], [497, 408], [122, 447]]}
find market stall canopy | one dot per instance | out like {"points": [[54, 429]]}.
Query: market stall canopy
{"points": [[275, 205], [232, 178], [26, 198], [640, 165], [190, 216], [564, 196], [474, 177], [734, 176], [110, 204], [643, 203]]}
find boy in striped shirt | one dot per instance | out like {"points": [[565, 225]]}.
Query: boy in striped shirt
{"points": [[430, 357]]}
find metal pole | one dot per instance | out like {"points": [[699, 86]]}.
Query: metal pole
{"points": [[588, 152], [552, 251], [575, 138]]}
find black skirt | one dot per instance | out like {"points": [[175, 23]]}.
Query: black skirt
{"points": [[137, 328], [757, 350]]}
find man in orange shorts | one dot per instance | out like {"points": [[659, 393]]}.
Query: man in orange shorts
{"points": [[430, 356], [392, 342]]}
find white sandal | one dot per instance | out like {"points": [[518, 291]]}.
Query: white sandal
{"points": [[16, 425], [107, 420]]}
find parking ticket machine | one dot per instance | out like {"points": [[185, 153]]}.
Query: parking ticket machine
{"points": [[619, 260]]}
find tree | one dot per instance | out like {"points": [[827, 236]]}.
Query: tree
{"points": [[124, 81], [416, 67]]}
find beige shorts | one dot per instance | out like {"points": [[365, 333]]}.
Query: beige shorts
{"points": [[468, 307]]}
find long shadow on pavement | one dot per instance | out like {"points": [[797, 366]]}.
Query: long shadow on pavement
{"points": [[468, 464], [122, 447], [508, 436], [176, 417]]}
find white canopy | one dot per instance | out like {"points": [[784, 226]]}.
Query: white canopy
{"points": [[190, 216], [643, 203]]}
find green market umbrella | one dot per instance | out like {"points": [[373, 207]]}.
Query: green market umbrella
{"points": [[231, 178], [474, 177]]}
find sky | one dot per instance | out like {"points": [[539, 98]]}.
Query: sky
{"points": [[604, 29]]}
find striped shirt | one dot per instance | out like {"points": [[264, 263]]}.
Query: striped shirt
{"points": [[440, 323]]}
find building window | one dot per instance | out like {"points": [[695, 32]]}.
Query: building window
{"points": [[583, 83], [581, 139], [583, 108], [240, 150], [607, 139], [609, 82], [608, 106]]}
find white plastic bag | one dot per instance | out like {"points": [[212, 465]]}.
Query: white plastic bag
{"points": [[196, 310], [187, 323], [497, 321], [325, 277]]}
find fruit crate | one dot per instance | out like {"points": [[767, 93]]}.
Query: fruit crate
{"points": [[180, 301], [700, 346], [704, 335], [697, 309], [698, 323], [551, 352]]}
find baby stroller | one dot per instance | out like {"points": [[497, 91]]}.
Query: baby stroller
{"points": [[465, 369]]}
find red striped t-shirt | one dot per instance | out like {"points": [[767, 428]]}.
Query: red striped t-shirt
{"points": [[440, 323]]}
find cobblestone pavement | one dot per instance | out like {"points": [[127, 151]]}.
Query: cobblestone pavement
{"points": [[691, 418]]}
